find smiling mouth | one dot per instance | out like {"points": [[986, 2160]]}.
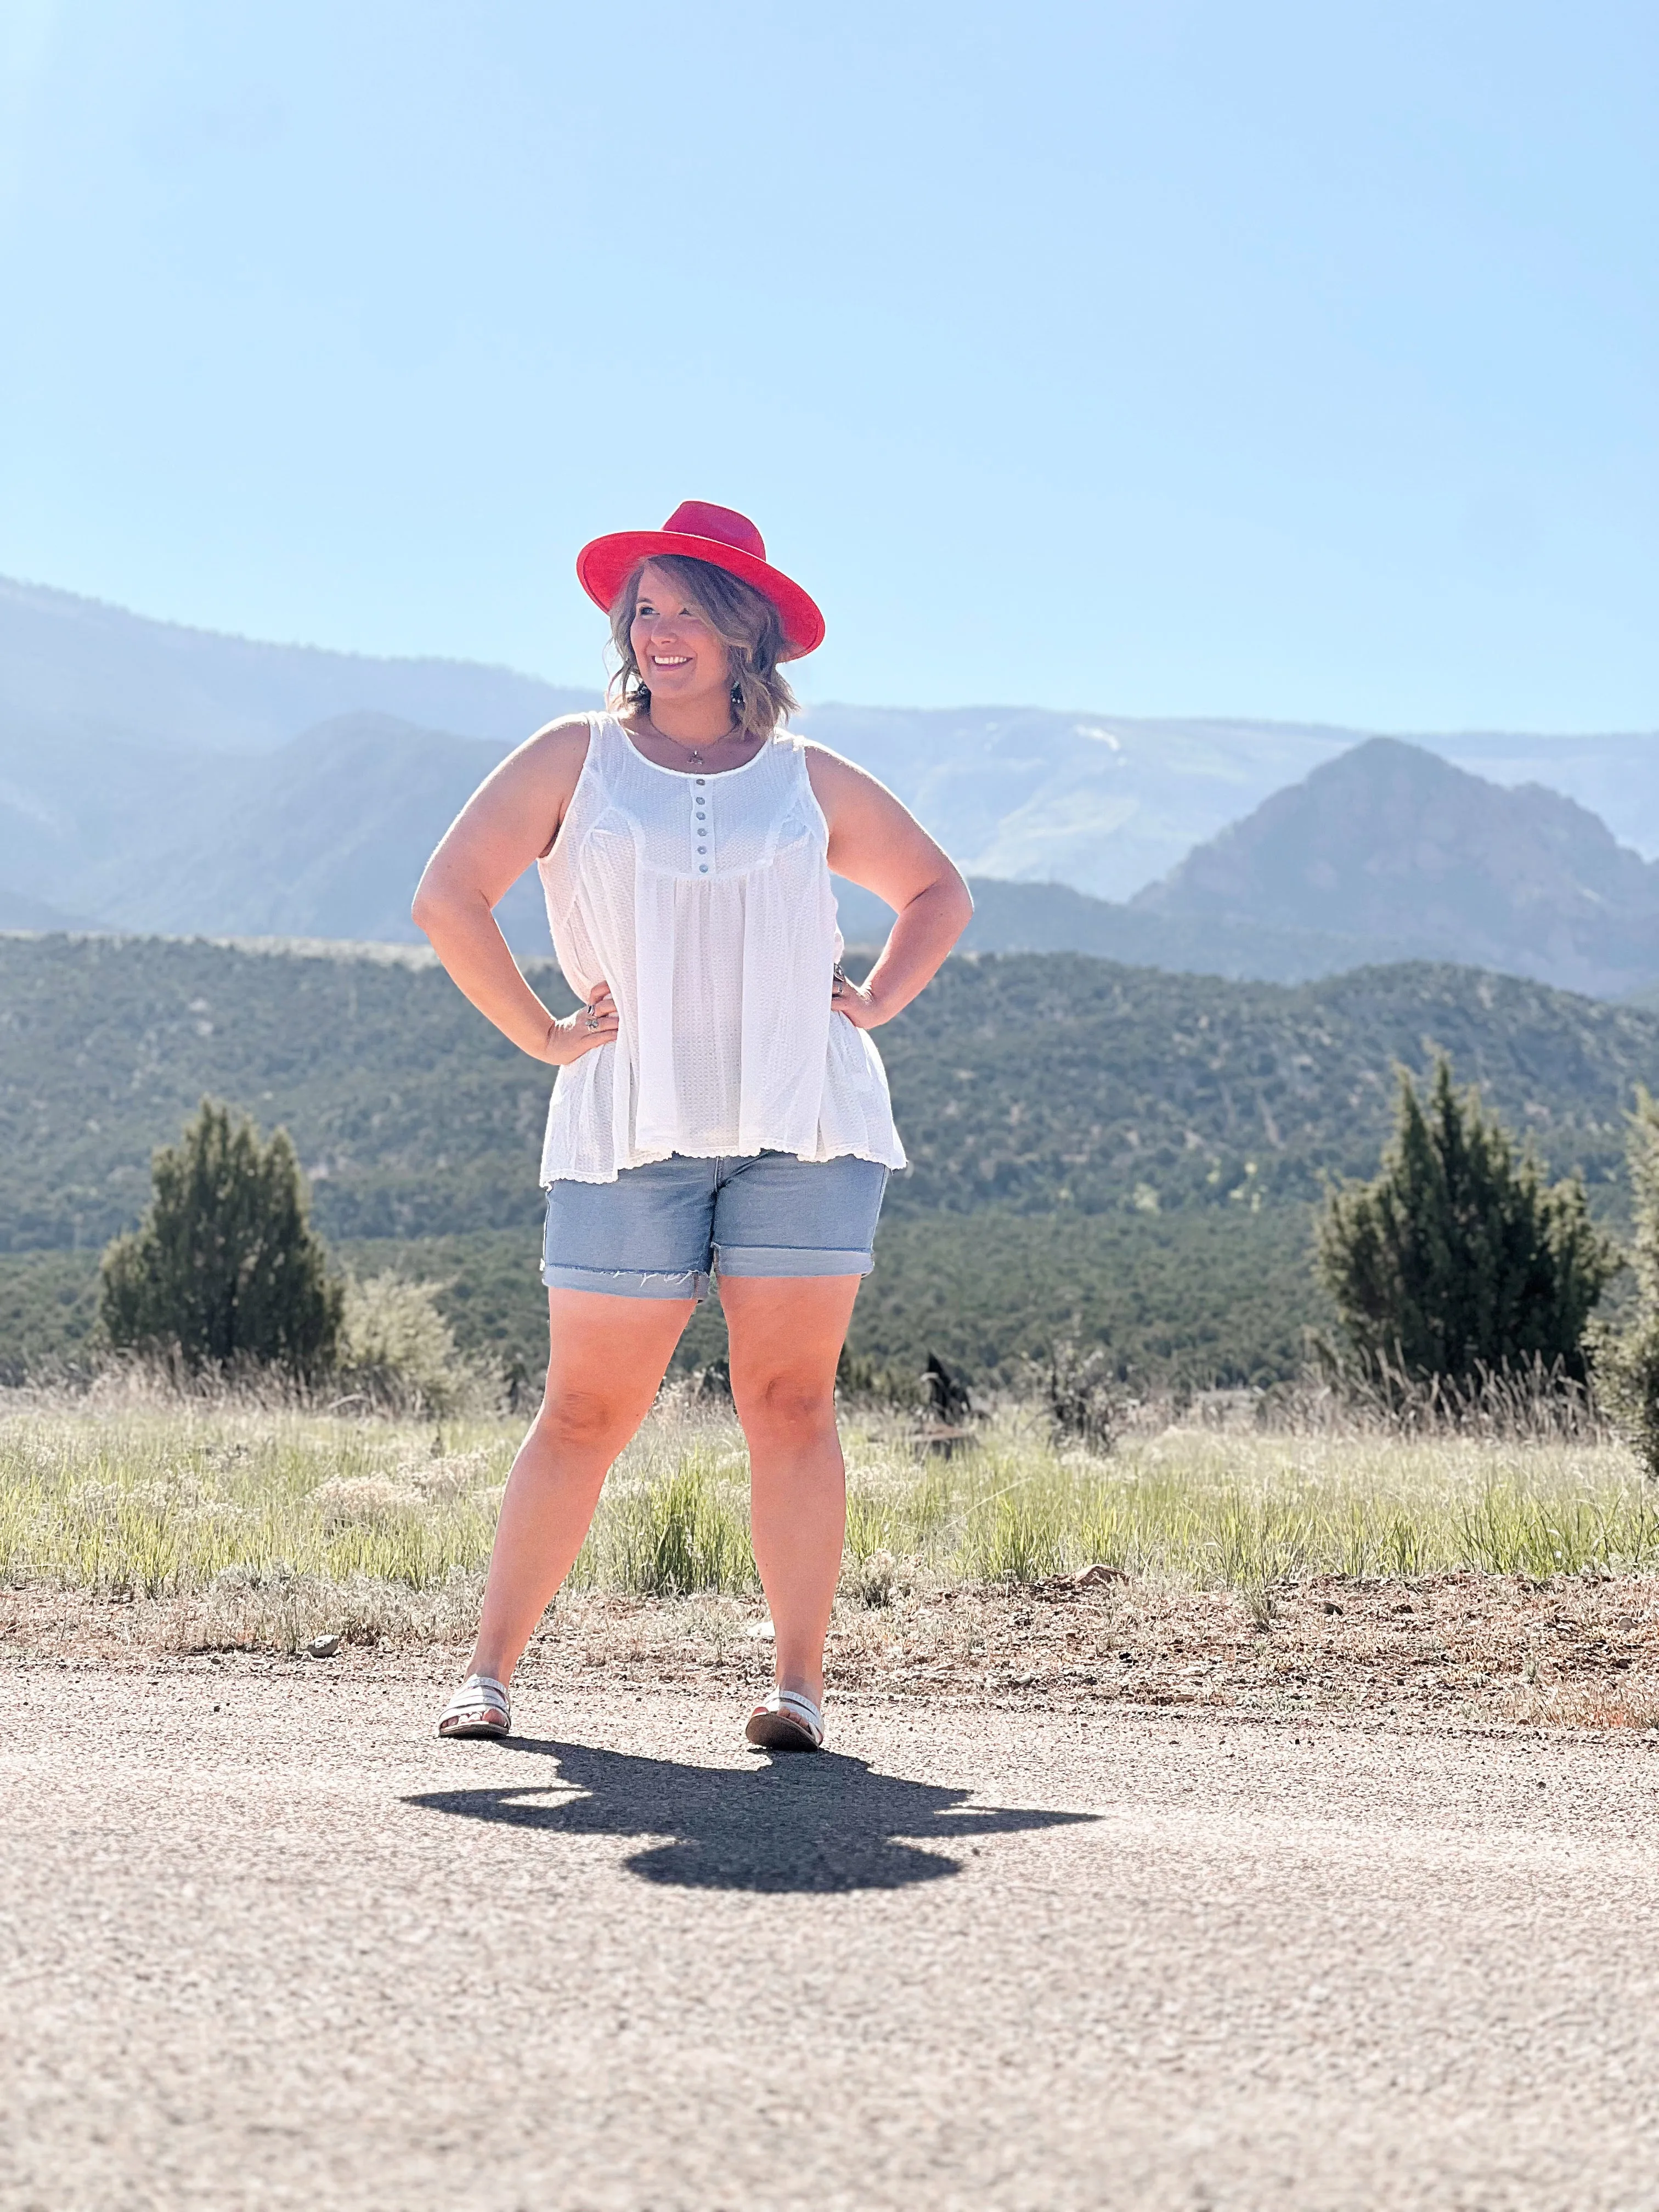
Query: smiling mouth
{"points": [[670, 661]]}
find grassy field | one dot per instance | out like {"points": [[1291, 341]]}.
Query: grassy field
{"points": [[282, 1525]]}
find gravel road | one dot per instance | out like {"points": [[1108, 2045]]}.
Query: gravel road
{"points": [[269, 1944]]}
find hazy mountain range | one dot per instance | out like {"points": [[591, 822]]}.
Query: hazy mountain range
{"points": [[1388, 841], [76, 669], [157, 778]]}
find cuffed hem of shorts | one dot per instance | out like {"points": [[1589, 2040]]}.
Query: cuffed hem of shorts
{"points": [[628, 1283], [789, 1259]]}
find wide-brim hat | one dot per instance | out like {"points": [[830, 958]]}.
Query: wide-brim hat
{"points": [[698, 531]]}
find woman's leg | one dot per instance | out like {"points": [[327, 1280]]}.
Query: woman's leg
{"points": [[786, 1333], [607, 1360]]}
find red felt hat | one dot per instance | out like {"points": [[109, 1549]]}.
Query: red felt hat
{"points": [[699, 531]]}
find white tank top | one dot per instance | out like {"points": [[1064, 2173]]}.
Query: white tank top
{"points": [[705, 902]]}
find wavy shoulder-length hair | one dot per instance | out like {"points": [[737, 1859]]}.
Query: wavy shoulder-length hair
{"points": [[745, 622]]}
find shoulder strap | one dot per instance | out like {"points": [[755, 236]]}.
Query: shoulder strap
{"points": [[603, 735]]}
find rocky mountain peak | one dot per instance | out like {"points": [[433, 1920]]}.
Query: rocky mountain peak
{"points": [[1391, 841]]}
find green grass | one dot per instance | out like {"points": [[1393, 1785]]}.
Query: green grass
{"points": [[1253, 1513], [240, 1505], [673, 1525], [162, 1504]]}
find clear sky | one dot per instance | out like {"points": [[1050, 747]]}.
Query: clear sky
{"points": [[1294, 361]]}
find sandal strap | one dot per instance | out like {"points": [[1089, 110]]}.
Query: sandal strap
{"points": [[797, 1706], [479, 1693]]}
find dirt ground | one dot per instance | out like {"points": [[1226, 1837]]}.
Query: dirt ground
{"points": [[1577, 1651]]}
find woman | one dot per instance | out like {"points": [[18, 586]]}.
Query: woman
{"points": [[719, 1103]]}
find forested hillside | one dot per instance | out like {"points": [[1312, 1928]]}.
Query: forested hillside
{"points": [[1130, 1154], [1039, 1083], [1196, 1297]]}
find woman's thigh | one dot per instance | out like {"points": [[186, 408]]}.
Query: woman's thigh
{"points": [[607, 1357], [786, 1333]]}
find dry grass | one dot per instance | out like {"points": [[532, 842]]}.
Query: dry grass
{"points": [[1452, 1572]]}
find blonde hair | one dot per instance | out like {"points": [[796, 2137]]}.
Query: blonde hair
{"points": [[746, 623]]}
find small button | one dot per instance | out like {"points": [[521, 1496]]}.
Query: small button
{"points": [[702, 848], [700, 782], [703, 870]]}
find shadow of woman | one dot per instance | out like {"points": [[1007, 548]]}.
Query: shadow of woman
{"points": [[815, 1823]]}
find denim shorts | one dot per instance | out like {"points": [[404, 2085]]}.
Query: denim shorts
{"points": [[660, 1230]]}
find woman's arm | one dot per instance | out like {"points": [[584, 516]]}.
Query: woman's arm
{"points": [[878, 844], [511, 819]]}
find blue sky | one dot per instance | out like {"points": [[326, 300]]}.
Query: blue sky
{"points": [[1290, 360]]}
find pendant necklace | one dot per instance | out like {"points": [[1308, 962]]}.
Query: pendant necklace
{"points": [[693, 753]]}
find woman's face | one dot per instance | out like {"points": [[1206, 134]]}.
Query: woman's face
{"points": [[677, 653]]}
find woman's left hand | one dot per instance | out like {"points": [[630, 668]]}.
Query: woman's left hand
{"points": [[849, 997]]}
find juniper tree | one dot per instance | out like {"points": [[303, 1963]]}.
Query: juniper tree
{"points": [[225, 1266], [1458, 1256], [1627, 1359]]}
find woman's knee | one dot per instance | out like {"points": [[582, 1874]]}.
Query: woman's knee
{"points": [[580, 1417], [786, 1403]]}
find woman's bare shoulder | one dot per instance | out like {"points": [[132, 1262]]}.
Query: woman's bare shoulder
{"points": [[566, 737], [832, 775], [532, 788], [822, 761], [552, 757]]}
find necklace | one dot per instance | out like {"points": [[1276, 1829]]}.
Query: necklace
{"points": [[693, 753]]}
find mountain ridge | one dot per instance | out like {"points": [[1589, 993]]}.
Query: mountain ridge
{"points": [[1391, 841], [72, 666], [325, 837], [1107, 803]]}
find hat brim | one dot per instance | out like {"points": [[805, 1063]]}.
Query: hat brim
{"points": [[604, 567]]}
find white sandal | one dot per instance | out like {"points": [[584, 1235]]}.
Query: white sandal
{"points": [[788, 1721], [479, 1707]]}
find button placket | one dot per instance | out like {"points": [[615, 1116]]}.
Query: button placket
{"points": [[700, 821]]}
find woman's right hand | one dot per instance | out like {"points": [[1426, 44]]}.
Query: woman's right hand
{"points": [[590, 1025]]}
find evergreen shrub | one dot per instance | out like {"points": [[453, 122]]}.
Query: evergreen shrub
{"points": [[1627, 1360], [225, 1269], [1458, 1259]]}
